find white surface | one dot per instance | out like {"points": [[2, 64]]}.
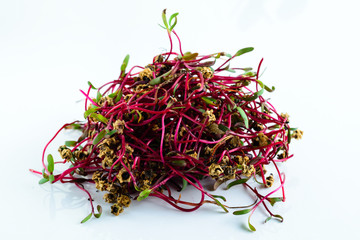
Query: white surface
{"points": [[50, 49]]}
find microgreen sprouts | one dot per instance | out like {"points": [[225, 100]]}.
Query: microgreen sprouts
{"points": [[182, 118]]}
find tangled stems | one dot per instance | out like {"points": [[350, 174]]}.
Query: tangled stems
{"points": [[174, 123]]}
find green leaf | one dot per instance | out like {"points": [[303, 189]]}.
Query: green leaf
{"points": [[273, 200], [91, 110], [99, 208], [209, 100], [219, 196], [43, 180], [179, 163], [144, 194], [223, 128], [158, 80], [50, 161], [217, 55], [254, 96], [170, 20], [99, 137], [70, 143], [229, 108], [268, 219], [118, 96], [136, 118], [237, 182], [242, 51], [155, 81], [194, 88], [251, 226], [259, 93], [244, 117], [91, 85], [111, 133], [76, 126], [289, 136], [221, 205], [228, 55], [72, 172], [51, 178], [280, 218], [176, 86], [98, 96], [242, 212], [189, 56], [111, 95], [269, 89], [124, 64], [164, 19], [99, 117], [184, 185], [115, 94], [87, 218], [274, 127], [162, 26], [102, 118]]}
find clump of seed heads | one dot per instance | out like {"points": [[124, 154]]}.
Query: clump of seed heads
{"points": [[173, 123]]}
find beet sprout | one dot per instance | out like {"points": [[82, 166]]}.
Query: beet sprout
{"points": [[174, 123]]}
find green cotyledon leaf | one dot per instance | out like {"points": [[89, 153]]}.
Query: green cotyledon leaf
{"points": [[252, 228], [98, 96], [170, 20], [144, 194], [244, 117], [184, 185], [50, 161], [70, 143], [91, 110], [99, 117], [221, 205], [99, 208], [43, 180], [209, 100], [124, 64], [86, 218], [243, 51], [51, 178], [273, 200], [99, 137], [242, 212], [91, 85], [219, 196], [236, 182], [164, 19]]}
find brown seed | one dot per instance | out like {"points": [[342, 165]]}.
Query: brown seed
{"points": [[123, 176], [116, 209], [124, 200], [215, 170]]}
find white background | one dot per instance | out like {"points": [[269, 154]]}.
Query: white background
{"points": [[50, 49]]}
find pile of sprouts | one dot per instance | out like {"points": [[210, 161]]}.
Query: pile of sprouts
{"points": [[172, 124]]}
